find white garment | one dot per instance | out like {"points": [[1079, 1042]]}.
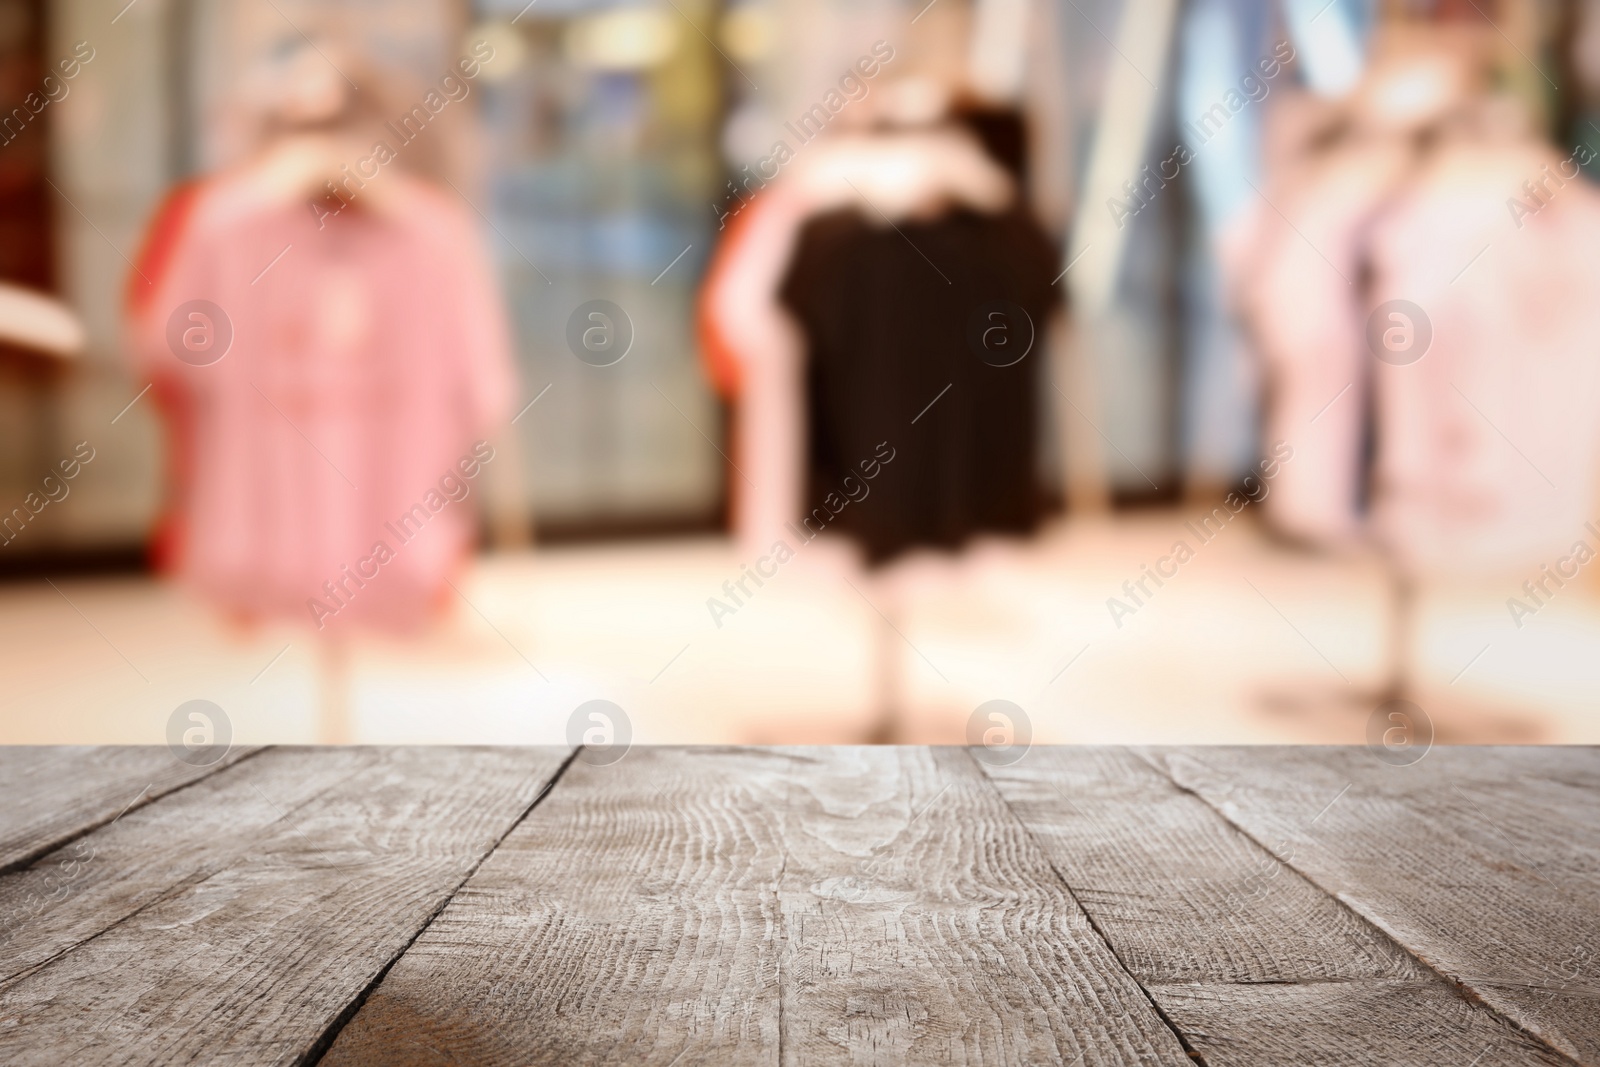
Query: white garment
{"points": [[1488, 445]]}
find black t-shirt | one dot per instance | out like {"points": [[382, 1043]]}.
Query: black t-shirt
{"points": [[892, 317]]}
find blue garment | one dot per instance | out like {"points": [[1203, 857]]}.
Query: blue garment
{"points": [[1225, 52], [1178, 387]]}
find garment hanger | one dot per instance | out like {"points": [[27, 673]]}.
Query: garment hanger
{"points": [[895, 175], [315, 130]]}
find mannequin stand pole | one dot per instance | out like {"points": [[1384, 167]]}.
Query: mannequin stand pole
{"points": [[886, 729], [334, 726], [1402, 624]]}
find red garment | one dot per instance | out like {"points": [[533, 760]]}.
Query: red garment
{"points": [[720, 349], [363, 363], [752, 355]]}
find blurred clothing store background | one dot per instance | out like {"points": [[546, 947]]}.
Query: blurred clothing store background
{"points": [[800, 370]]}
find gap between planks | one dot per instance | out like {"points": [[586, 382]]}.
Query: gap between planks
{"points": [[1094, 924], [147, 797], [834, 804], [330, 1034], [316, 1054], [391, 790], [1462, 989]]}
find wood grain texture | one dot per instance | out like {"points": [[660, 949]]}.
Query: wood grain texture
{"points": [[869, 906], [80, 890], [1250, 961], [1363, 1023], [924, 925], [631, 918], [50, 794], [252, 960], [749, 906], [1485, 863]]}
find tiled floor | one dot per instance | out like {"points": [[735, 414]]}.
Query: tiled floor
{"points": [[1248, 643]]}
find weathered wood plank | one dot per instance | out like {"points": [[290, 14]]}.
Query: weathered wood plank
{"points": [[1484, 862], [752, 906], [1182, 895], [1253, 963], [925, 925], [50, 794], [1339, 1024], [82, 889], [253, 960], [632, 918], [872, 905]]}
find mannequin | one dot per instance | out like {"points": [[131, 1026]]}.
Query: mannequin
{"points": [[829, 255], [368, 350], [1400, 194]]}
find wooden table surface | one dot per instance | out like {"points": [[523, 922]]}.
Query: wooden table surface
{"points": [[875, 905]]}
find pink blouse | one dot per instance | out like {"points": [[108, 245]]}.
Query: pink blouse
{"points": [[327, 457]]}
